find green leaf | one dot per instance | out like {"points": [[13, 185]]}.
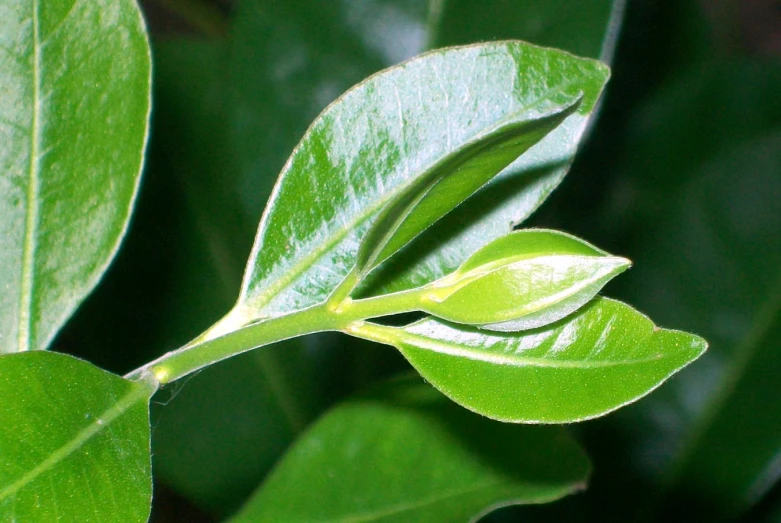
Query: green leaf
{"points": [[593, 362], [524, 280], [361, 153], [220, 435], [733, 457], [452, 179], [405, 453], [712, 263], [73, 121], [495, 210], [74, 441], [665, 147], [217, 437]]}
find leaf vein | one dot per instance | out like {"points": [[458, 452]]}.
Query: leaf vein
{"points": [[138, 392]]}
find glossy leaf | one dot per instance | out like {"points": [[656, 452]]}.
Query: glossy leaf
{"points": [[363, 150], [74, 441], [404, 453], [595, 361], [453, 178], [73, 123], [495, 210], [524, 280]]}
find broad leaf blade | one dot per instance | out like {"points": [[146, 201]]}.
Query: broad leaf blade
{"points": [[73, 122], [74, 441], [456, 176], [495, 210], [404, 453], [595, 361], [732, 458], [361, 151]]}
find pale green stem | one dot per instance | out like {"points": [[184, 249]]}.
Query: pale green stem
{"points": [[323, 317]]}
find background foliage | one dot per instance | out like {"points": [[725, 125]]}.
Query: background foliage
{"points": [[681, 173]]}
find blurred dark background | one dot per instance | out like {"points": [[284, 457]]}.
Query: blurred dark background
{"points": [[681, 173]]}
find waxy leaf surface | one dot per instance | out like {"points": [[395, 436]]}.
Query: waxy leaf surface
{"points": [[455, 177], [405, 453], [592, 362], [524, 280], [365, 148], [74, 442], [73, 124], [503, 203]]}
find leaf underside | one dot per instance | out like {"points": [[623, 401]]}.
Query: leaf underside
{"points": [[362, 151]]}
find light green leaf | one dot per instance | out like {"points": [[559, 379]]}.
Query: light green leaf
{"points": [[73, 124], [361, 153], [452, 179], [586, 365], [74, 442], [404, 453], [521, 281]]}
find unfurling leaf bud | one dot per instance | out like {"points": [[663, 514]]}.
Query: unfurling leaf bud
{"points": [[523, 280]]}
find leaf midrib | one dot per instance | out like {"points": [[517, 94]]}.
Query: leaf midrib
{"points": [[290, 275], [32, 209], [103, 421], [451, 349]]}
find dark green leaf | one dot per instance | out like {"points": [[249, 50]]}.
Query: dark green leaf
{"points": [[595, 361], [665, 145], [456, 176], [585, 27], [73, 124], [712, 264], [404, 453], [74, 442], [363, 150], [222, 432], [734, 457], [219, 435], [524, 280]]}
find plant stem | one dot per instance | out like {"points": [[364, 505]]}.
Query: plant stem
{"points": [[324, 317]]}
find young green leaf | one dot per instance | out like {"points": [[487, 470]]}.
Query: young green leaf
{"points": [[404, 453], [454, 178], [362, 152], [524, 280], [74, 441], [595, 361], [73, 121]]}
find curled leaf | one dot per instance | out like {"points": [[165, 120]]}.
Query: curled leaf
{"points": [[524, 280]]}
